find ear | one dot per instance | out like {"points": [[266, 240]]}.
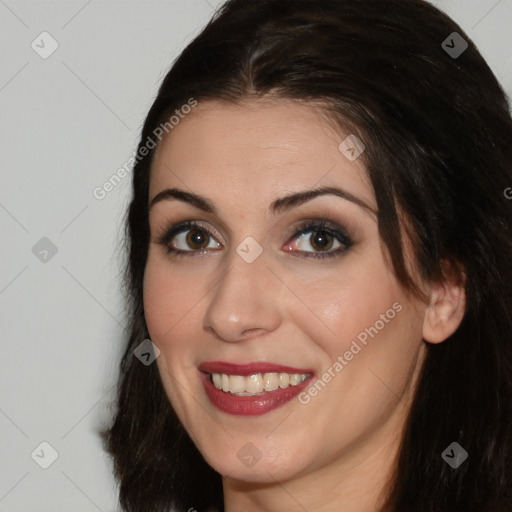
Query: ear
{"points": [[447, 305]]}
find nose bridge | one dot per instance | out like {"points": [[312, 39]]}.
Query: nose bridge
{"points": [[245, 297]]}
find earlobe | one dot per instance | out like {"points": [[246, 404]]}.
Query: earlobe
{"points": [[446, 309]]}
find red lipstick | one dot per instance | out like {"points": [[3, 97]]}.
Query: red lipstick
{"points": [[255, 404], [248, 369]]}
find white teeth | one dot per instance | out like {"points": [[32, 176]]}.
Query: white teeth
{"points": [[217, 380], [254, 384], [270, 381], [294, 379], [225, 382], [257, 383], [236, 384]]}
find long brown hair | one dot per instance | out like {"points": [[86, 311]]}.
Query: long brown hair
{"points": [[438, 137]]}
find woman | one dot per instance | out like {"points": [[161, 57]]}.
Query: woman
{"points": [[319, 252]]}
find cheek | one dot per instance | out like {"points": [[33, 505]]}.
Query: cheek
{"points": [[156, 301], [370, 348], [166, 298], [344, 304], [169, 298], [174, 298]]}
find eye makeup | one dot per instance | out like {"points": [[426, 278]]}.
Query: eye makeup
{"points": [[324, 234]]}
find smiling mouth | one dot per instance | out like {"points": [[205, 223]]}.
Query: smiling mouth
{"points": [[257, 384], [257, 400], [252, 388]]}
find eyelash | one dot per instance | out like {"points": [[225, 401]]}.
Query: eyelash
{"points": [[323, 226]]}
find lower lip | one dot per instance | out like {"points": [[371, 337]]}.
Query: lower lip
{"points": [[250, 405]]}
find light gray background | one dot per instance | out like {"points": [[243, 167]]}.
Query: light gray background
{"points": [[67, 123]]}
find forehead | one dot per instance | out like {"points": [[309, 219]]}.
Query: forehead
{"points": [[260, 147]]}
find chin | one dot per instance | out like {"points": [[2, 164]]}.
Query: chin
{"points": [[258, 465]]}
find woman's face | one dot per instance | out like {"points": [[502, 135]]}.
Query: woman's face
{"points": [[253, 286]]}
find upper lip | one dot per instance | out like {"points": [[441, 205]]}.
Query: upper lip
{"points": [[248, 369]]}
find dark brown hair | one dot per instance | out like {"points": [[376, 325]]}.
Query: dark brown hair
{"points": [[438, 137]]}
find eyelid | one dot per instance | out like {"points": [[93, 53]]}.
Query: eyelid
{"points": [[322, 225], [166, 235], [301, 226], [293, 232]]}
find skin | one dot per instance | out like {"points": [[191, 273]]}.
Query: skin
{"points": [[337, 452]]}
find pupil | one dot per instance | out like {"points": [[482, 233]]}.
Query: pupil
{"points": [[321, 240], [196, 238]]}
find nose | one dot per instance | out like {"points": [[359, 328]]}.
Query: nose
{"points": [[245, 302]]}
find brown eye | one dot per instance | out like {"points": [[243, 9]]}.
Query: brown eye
{"points": [[197, 239], [321, 241], [315, 240], [188, 238], [325, 239]]}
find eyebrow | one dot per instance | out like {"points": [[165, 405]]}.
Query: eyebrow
{"points": [[280, 205]]}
